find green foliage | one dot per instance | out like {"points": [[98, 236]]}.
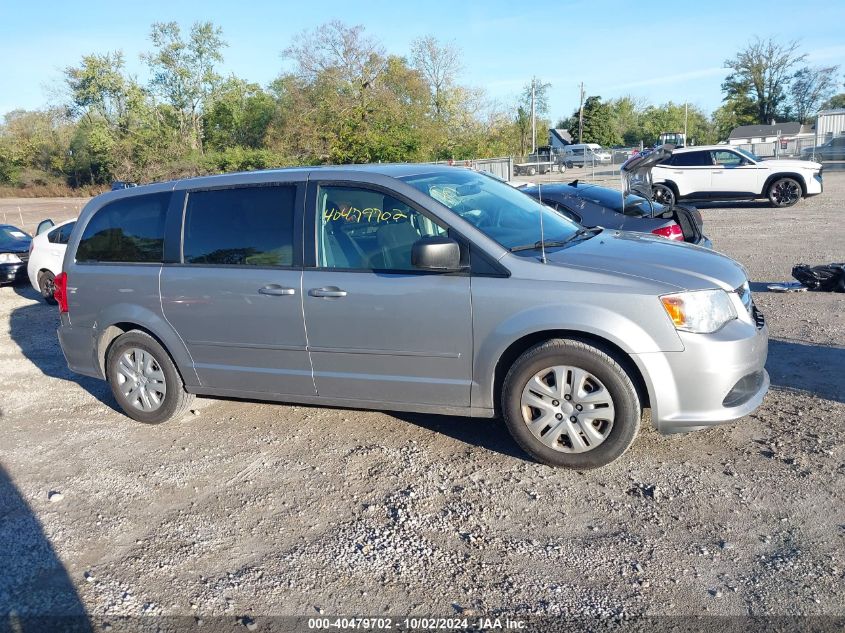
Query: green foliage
{"points": [[759, 79], [598, 123]]}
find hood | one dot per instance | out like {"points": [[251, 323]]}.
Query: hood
{"points": [[13, 240], [791, 163], [684, 266]]}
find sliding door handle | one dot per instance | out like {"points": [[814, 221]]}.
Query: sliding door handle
{"points": [[276, 290], [329, 291]]}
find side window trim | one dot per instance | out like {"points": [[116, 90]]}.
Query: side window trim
{"points": [[179, 212], [118, 203], [312, 221], [310, 227]]}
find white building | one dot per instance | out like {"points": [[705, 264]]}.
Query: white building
{"points": [[751, 134]]}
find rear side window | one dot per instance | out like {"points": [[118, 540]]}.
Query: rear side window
{"points": [[245, 226], [692, 159], [64, 233], [53, 236], [130, 230]]}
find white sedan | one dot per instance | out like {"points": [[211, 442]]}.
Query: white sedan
{"points": [[47, 252]]}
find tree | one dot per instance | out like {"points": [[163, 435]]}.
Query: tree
{"points": [[523, 113], [184, 72], [598, 123], [239, 116], [439, 65], [810, 88], [761, 73]]}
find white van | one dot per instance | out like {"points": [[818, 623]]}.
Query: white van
{"points": [[581, 154]]}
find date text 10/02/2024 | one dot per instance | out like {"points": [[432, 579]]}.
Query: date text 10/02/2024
{"points": [[417, 623]]}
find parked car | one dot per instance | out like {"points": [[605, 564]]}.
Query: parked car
{"points": [[834, 149], [421, 288], [14, 252], [591, 205], [117, 185], [45, 258], [719, 172], [581, 154], [546, 159]]}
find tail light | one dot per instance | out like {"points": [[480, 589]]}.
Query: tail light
{"points": [[60, 293], [671, 232]]}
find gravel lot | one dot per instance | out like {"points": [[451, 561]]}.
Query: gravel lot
{"points": [[247, 509]]}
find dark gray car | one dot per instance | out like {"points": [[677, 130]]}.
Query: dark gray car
{"points": [[367, 287], [592, 205]]}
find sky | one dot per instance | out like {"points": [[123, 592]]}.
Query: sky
{"points": [[654, 50]]}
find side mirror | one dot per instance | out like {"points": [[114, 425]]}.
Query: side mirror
{"points": [[436, 253]]}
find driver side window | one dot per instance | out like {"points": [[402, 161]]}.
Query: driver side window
{"points": [[724, 158], [363, 229]]}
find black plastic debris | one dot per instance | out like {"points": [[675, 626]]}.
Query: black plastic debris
{"points": [[826, 278]]}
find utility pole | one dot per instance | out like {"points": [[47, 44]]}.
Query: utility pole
{"points": [[581, 115], [686, 113], [533, 118]]}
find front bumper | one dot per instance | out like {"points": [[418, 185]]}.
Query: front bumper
{"points": [[815, 185], [718, 377], [12, 273]]}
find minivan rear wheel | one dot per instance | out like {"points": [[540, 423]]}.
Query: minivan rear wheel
{"points": [[568, 403], [47, 286], [144, 380]]}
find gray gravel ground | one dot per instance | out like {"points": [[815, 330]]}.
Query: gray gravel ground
{"points": [[250, 509]]}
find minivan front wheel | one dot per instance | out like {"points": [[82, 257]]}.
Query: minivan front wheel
{"points": [[144, 380], [568, 403]]}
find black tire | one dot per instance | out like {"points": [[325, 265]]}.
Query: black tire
{"points": [[176, 400], [47, 285], [664, 194], [598, 363], [569, 164], [531, 171], [784, 192]]}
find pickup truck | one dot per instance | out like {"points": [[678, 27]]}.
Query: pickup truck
{"points": [[543, 161]]}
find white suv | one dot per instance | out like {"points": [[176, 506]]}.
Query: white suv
{"points": [[46, 253], [721, 172]]}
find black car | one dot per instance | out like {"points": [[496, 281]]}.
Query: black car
{"points": [[14, 253], [592, 205]]}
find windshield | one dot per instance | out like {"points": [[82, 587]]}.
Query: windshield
{"points": [[748, 154], [501, 212], [11, 234]]}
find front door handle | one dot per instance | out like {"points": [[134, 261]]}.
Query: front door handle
{"points": [[329, 291], [276, 290]]}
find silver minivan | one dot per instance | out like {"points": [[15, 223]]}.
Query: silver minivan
{"points": [[410, 288]]}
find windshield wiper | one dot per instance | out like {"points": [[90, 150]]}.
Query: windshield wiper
{"points": [[580, 233]]}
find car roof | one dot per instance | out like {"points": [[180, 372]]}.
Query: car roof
{"points": [[696, 148]]}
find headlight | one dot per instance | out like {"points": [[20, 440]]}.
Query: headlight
{"points": [[9, 258], [703, 311]]}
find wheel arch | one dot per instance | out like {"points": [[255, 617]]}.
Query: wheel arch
{"points": [[671, 184], [175, 350], [786, 174], [527, 341]]}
